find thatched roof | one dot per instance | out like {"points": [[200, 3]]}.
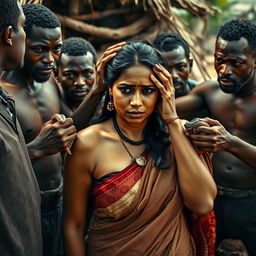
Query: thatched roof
{"points": [[156, 14]]}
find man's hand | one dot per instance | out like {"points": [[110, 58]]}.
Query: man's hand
{"points": [[214, 138], [108, 55], [55, 136], [191, 127]]}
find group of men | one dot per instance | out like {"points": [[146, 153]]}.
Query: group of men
{"points": [[46, 76], [29, 133]]}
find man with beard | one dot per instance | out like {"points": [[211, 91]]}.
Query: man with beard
{"points": [[20, 228], [232, 101], [76, 70], [37, 99]]}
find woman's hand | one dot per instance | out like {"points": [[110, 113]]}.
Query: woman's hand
{"points": [[109, 54], [167, 108]]}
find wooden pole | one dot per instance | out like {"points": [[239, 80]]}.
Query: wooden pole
{"points": [[115, 34]]}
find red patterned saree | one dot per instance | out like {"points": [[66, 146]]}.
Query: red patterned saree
{"points": [[139, 212]]}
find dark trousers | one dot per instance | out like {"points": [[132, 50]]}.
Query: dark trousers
{"points": [[51, 218], [236, 219]]}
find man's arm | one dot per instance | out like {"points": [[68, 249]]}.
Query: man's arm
{"points": [[193, 102], [216, 139], [54, 137], [86, 110]]}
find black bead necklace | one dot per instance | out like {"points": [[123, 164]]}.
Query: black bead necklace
{"points": [[133, 142]]}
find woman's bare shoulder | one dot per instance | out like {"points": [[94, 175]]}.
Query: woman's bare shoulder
{"points": [[93, 135]]}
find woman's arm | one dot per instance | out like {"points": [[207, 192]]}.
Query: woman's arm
{"points": [[77, 182], [196, 183]]}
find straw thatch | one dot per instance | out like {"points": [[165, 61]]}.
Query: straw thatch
{"points": [[152, 17]]}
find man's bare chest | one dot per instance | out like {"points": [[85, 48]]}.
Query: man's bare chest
{"points": [[33, 110], [238, 115]]}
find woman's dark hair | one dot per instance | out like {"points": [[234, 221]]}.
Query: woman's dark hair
{"points": [[155, 134]]}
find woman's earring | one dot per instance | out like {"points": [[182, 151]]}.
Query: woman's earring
{"points": [[110, 105]]}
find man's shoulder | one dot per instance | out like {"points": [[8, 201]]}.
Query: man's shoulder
{"points": [[206, 87], [10, 87], [192, 83]]}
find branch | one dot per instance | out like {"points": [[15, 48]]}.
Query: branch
{"points": [[115, 34], [99, 15]]}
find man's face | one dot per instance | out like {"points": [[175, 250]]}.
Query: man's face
{"points": [[76, 75], [234, 64], [43, 47], [179, 67], [17, 50]]}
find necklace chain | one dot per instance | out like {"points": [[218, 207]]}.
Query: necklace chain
{"points": [[122, 136], [140, 160], [127, 150]]}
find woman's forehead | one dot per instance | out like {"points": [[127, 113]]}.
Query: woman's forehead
{"points": [[135, 74]]}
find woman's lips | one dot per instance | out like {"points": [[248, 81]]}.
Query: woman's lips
{"points": [[135, 114]]}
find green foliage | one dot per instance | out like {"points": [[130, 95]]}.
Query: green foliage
{"points": [[214, 22]]}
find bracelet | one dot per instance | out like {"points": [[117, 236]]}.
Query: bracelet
{"points": [[172, 119]]}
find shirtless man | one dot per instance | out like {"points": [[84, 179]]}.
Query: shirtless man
{"points": [[20, 228], [37, 99], [76, 70], [177, 53], [232, 101]]}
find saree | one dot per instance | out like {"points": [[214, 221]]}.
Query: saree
{"points": [[203, 228], [139, 211]]}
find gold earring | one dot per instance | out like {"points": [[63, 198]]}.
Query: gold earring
{"points": [[110, 105]]}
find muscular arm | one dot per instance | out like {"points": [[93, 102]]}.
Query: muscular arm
{"points": [[77, 182], [53, 138], [243, 150], [86, 110], [194, 101], [216, 139], [189, 105]]}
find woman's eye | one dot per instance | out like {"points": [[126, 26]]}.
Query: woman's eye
{"points": [[125, 90], [147, 91]]}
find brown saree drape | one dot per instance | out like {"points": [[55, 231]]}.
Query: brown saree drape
{"points": [[139, 211]]}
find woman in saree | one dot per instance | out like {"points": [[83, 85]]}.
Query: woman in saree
{"points": [[139, 165]]}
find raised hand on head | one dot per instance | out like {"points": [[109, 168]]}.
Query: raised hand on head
{"points": [[108, 54], [163, 80]]}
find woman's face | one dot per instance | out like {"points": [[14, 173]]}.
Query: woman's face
{"points": [[134, 95]]}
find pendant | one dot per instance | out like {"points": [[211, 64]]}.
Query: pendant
{"points": [[140, 160]]}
